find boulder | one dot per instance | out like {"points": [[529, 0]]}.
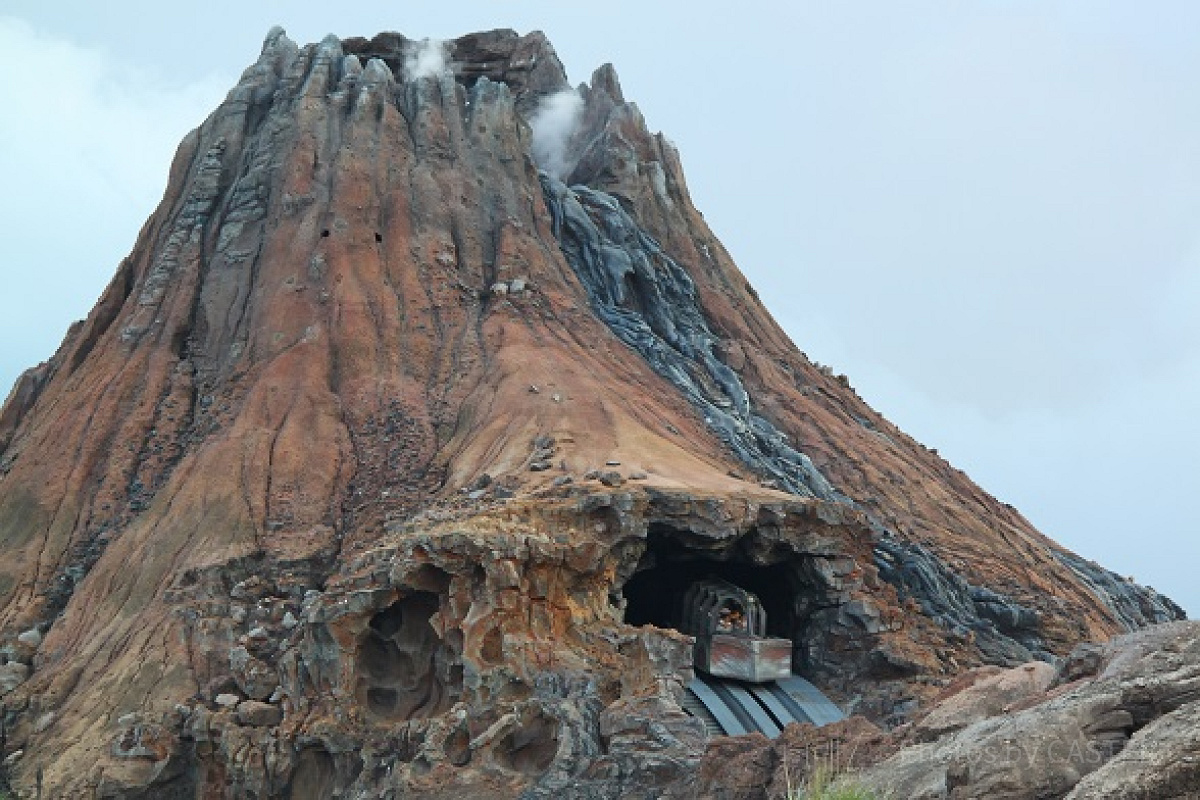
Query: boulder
{"points": [[992, 694], [258, 714]]}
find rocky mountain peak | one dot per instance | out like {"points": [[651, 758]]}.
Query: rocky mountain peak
{"points": [[421, 401]]}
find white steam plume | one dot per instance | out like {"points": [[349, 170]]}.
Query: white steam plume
{"points": [[426, 60], [553, 124]]}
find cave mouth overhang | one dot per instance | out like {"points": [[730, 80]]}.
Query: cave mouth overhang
{"points": [[806, 575]]}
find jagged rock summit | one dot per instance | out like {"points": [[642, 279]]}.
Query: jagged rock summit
{"points": [[378, 465]]}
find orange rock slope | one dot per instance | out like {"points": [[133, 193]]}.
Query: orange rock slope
{"points": [[355, 408]]}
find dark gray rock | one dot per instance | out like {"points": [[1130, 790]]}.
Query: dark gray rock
{"points": [[1133, 606], [259, 715], [1004, 631], [650, 303], [611, 478]]}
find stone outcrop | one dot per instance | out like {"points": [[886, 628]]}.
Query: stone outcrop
{"points": [[379, 465], [1128, 731], [1113, 721]]}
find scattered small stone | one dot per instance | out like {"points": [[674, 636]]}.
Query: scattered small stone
{"points": [[673, 429], [503, 493], [44, 722], [237, 614], [540, 466], [482, 482], [612, 463], [543, 442], [556, 397], [611, 478], [226, 700], [13, 757], [290, 621], [479, 493], [533, 389], [258, 714], [259, 633], [637, 476], [127, 720], [591, 475], [310, 597], [562, 480], [500, 289], [276, 695], [517, 286], [31, 637]]}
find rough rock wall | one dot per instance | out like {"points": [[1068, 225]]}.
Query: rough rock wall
{"points": [[349, 388]]}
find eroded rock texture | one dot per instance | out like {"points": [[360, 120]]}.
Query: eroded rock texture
{"points": [[380, 465]]}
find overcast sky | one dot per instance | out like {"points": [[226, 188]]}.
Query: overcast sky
{"points": [[986, 214]]}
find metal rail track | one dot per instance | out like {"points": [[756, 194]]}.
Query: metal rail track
{"points": [[732, 708]]}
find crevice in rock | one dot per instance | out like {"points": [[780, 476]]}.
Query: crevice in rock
{"points": [[531, 747], [107, 311]]}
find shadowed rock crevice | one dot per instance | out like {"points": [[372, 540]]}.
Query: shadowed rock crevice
{"points": [[531, 747], [405, 670], [320, 775]]}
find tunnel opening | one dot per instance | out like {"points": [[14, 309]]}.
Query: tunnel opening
{"points": [[654, 595]]}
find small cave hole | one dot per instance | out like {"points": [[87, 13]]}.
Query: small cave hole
{"points": [[531, 748], [387, 623], [325, 233], [492, 650], [458, 747], [314, 778], [405, 671], [378, 238], [381, 701]]}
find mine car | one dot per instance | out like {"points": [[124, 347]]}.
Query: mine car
{"points": [[730, 628]]}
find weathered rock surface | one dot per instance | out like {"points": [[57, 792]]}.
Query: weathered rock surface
{"points": [[1130, 731], [232, 505], [980, 694]]}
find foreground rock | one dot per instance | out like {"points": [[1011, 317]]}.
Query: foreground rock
{"points": [[1128, 731]]}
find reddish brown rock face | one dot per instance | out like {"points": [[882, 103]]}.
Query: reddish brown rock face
{"points": [[310, 454]]}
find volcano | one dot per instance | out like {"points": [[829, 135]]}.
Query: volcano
{"points": [[384, 460]]}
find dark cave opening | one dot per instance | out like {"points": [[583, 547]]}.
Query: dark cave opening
{"points": [[405, 670], [654, 595]]}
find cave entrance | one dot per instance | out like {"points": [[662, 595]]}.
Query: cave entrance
{"points": [[674, 560]]}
